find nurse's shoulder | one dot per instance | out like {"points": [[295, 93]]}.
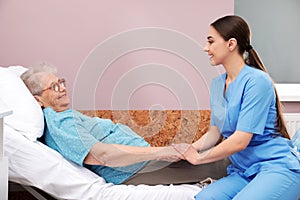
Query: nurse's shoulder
{"points": [[257, 78]]}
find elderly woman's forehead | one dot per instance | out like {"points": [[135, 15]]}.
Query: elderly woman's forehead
{"points": [[48, 78]]}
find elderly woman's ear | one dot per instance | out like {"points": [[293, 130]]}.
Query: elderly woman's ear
{"points": [[39, 100]]}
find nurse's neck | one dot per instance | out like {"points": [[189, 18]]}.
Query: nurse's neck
{"points": [[233, 67]]}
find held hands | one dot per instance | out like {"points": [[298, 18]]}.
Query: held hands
{"points": [[178, 152], [169, 154], [188, 152]]}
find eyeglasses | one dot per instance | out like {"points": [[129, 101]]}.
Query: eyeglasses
{"points": [[56, 86]]}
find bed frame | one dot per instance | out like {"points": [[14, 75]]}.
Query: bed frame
{"points": [[4, 111], [33, 191]]}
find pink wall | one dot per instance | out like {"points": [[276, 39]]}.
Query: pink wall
{"points": [[133, 54]]}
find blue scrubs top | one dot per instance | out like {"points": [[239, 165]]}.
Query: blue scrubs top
{"points": [[249, 105], [73, 135]]}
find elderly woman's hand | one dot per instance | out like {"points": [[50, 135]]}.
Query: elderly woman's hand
{"points": [[169, 154]]}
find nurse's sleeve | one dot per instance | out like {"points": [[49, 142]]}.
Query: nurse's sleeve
{"points": [[255, 105], [70, 139]]}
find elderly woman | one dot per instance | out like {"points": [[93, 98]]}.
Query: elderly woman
{"points": [[111, 150]]}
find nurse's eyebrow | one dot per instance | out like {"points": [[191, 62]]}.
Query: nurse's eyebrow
{"points": [[210, 37]]}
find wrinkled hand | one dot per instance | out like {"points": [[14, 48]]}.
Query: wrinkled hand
{"points": [[169, 154], [187, 151]]}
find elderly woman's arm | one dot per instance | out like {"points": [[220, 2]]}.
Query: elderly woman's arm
{"points": [[115, 155]]}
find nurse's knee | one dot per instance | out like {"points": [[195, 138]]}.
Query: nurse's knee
{"points": [[204, 195], [208, 194]]}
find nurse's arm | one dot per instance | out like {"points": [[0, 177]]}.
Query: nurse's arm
{"points": [[115, 155], [208, 140], [238, 141]]}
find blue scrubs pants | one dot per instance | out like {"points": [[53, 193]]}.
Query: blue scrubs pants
{"points": [[282, 184]]}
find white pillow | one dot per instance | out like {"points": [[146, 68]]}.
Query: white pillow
{"points": [[27, 117]]}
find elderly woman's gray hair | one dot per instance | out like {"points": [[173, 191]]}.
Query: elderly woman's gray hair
{"points": [[33, 76]]}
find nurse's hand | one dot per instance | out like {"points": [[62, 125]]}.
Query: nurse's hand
{"points": [[188, 152]]}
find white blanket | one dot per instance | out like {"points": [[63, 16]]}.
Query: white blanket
{"points": [[34, 164]]}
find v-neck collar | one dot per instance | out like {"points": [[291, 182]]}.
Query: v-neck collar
{"points": [[225, 92]]}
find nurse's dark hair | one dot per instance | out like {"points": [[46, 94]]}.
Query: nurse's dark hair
{"points": [[233, 26]]}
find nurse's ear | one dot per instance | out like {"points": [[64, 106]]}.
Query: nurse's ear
{"points": [[232, 44]]}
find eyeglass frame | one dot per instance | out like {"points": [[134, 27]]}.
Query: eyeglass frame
{"points": [[56, 86]]}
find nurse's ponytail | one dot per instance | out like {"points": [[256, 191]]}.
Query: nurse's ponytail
{"points": [[254, 61], [235, 27]]}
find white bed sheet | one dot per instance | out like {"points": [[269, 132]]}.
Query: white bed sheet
{"points": [[34, 164]]}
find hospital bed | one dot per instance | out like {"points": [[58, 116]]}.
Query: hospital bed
{"points": [[39, 168], [34, 164]]}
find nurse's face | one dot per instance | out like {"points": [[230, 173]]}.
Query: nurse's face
{"points": [[216, 47]]}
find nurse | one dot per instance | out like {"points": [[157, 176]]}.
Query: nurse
{"points": [[245, 111]]}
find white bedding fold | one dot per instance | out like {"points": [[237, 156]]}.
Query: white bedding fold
{"points": [[34, 164]]}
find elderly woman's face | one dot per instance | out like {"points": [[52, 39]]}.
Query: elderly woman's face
{"points": [[57, 98]]}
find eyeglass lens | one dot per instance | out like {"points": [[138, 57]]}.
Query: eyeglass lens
{"points": [[56, 86]]}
